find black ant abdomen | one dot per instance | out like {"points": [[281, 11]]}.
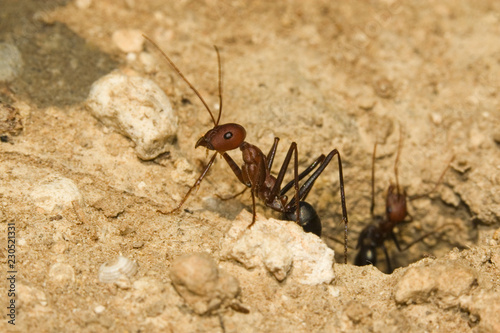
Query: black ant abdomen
{"points": [[309, 219], [368, 242]]}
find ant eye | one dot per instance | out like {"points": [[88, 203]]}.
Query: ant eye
{"points": [[228, 135]]}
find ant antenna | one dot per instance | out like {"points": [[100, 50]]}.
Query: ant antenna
{"points": [[397, 158], [439, 181], [171, 63], [220, 84], [372, 207]]}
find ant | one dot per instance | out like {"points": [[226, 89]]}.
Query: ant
{"points": [[375, 234], [255, 173]]}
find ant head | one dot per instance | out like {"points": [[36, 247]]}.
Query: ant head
{"points": [[396, 205], [223, 138]]}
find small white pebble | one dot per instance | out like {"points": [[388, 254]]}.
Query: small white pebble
{"points": [[61, 273], [128, 40], [131, 57], [366, 103], [99, 309], [83, 4], [56, 193], [436, 118], [148, 62], [333, 291]]}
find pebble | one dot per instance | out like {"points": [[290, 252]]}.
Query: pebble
{"points": [[61, 273], [201, 284], [83, 4], [55, 194], [29, 297], [148, 62], [280, 247], [145, 286], [443, 282], [366, 102], [99, 309], [357, 311], [436, 118], [136, 108], [11, 62], [128, 40], [10, 119], [138, 244]]}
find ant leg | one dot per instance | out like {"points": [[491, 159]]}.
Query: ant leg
{"points": [[304, 191], [270, 155], [439, 181], [340, 241], [393, 236], [304, 173], [231, 196], [396, 162], [281, 175], [389, 266], [236, 169], [196, 185], [296, 182], [424, 237], [254, 213], [307, 186], [372, 206]]}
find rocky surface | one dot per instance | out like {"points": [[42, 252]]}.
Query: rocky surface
{"points": [[326, 75]]}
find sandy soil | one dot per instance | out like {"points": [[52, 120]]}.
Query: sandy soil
{"points": [[325, 74]]}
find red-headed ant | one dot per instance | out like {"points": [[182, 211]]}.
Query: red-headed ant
{"points": [[255, 173], [381, 228]]}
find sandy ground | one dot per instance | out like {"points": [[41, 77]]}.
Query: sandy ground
{"points": [[324, 74]]}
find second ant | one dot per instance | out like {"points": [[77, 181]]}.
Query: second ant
{"points": [[374, 235]]}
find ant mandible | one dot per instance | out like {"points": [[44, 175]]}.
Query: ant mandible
{"points": [[375, 234], [255, 173]]}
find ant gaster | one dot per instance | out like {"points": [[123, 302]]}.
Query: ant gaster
{"points": [[255, 173], [375, 234]]}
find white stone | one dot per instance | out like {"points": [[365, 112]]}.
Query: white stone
{"points": [[278, 246], [148, 62], [29, 297], [137, 108], [56, 193], [83, 4], [99, 309], [128, 40], [61, 273]]}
